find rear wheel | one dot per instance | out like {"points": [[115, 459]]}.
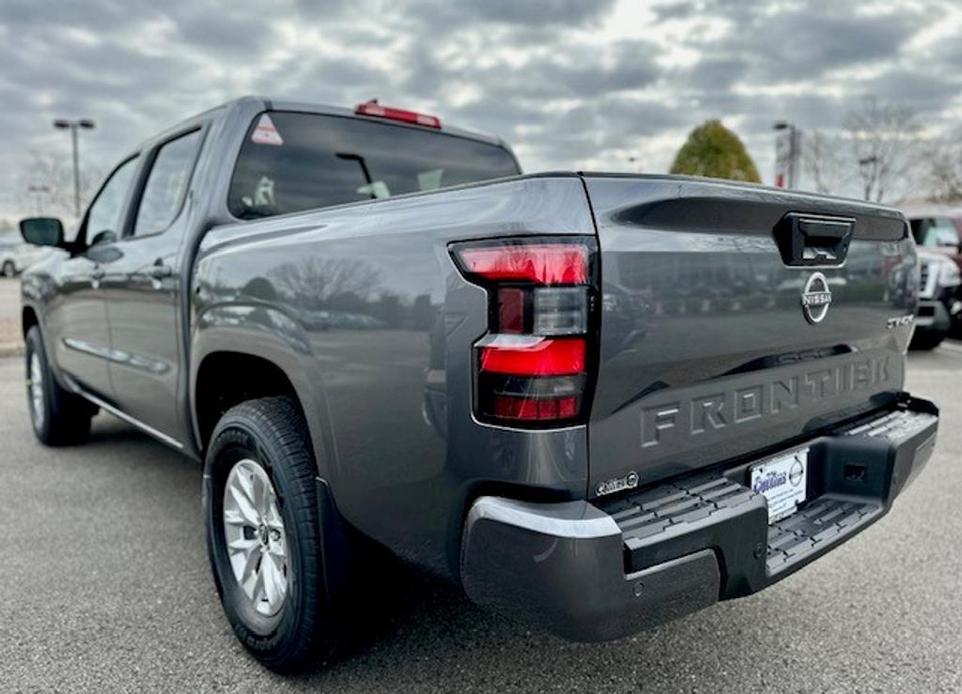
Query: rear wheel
{"points": [[59, 418], [8, 269], [265, 535]]}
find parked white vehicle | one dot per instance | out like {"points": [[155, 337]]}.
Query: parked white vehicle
{"points": [[16, 256]]}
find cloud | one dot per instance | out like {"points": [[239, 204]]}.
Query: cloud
{"points": [[509, 12], [571, 83], [805, 44]]}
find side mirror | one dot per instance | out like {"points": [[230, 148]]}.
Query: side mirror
{"points": [[42, 231], [105, 236]]}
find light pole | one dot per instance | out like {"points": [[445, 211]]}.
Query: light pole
{"points": [[868, 167], [792, 169], [74, 126], [38, 191]]}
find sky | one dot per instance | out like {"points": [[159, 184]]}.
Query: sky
{"points": [[611, 85]]}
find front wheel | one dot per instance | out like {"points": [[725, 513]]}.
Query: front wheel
{"points": [[264, 535], [59, 418]]}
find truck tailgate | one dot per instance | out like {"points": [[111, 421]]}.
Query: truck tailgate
{"points": [[707, 352]]}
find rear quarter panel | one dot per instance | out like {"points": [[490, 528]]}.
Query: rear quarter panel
{"points": [[363, 309]]}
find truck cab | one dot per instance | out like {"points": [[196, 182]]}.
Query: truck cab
{"points": [[123, 287]]}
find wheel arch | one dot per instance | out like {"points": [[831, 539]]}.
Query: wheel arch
{"points": [[228, 370], [31, 317], [218, 387], [28, 319]]}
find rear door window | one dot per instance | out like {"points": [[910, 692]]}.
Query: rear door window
{"points": [[166, 184], [297, 161]]}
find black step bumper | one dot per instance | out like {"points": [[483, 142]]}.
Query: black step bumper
{"points": [[592, 572]]}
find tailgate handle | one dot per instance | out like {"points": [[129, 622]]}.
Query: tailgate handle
{"points": [[805, 239]]}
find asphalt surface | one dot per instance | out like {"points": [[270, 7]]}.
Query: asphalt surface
{"points": [[9, 310], [9, 297], [106, 588]]}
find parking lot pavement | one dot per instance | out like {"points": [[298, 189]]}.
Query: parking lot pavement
{"points": [[106, 588], [9, 311]]}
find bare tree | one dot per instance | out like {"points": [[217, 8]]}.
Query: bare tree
{"points": [[943, 170], [884, 141], [316, 281], [824, 161], [47, 182]]}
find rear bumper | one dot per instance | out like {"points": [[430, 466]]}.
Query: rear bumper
{"points": [[594, 572]]}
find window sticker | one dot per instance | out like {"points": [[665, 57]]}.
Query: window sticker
{"points": [[430, 180], [265, 133]]}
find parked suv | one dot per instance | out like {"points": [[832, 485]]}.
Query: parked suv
{"points": [[938, 229], [940, 305], [938, 233]]}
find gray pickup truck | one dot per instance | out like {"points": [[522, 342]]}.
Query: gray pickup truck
{"points": [[597, 402]]}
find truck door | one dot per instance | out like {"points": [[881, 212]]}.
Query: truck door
{"points": [[142, 291], [78, 316]]}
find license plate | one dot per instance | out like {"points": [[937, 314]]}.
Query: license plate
{"points": [[782, 480]]}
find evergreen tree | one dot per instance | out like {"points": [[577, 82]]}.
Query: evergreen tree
{"points": [[714, 151]]}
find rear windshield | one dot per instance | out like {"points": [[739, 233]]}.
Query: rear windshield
{"points": [[297, 161]]}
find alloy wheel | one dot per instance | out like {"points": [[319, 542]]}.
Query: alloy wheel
{"points": [[35, 390], [255, 536]]}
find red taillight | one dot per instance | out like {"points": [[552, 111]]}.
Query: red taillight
{"points": [[374, 109], [532, 365], [549, 263], [534, 357], [530, 409]]}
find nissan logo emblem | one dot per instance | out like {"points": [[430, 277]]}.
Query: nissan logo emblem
{"points": [[816, 298]]}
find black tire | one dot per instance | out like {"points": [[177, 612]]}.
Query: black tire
{"points": [[306, 629], [9, 269], [955, 331], [927, 339], [62, 418]]}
